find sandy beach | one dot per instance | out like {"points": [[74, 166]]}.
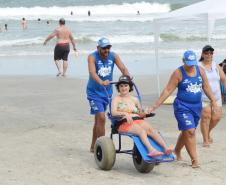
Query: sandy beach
{"points": [[45, 134]]}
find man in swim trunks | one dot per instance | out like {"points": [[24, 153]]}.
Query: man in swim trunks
{"points": [[62, 48], [101, 64]]}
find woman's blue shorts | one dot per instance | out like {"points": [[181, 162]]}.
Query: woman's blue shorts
{"points": [[187, 114]]}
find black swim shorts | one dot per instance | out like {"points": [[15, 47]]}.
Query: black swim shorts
{"points": [[61, 51]]}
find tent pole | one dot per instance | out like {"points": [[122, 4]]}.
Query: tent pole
{"points": [[156, 44], [210, 27]]}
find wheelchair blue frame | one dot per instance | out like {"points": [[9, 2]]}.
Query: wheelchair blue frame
{"points": [[137, 141]]}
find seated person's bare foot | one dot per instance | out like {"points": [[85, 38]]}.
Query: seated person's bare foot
{"points": [[64, 75], [155, 153], [178, 155], [58, 74], [194, 163]]}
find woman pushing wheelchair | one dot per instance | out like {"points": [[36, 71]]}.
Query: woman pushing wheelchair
{"points": [[129, 107]]}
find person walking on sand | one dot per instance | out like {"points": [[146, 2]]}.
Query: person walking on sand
{"points": [[215, 75], [24, 23], [189, 79], [62, 48], [101, 64]]}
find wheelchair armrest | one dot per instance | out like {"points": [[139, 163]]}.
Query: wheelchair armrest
{"points": [[150, 115], [117, 117]]}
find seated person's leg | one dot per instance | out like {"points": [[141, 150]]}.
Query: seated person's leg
{"points": [[154, 135], [137, 130]]}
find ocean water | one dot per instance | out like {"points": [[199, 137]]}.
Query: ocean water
{"points": [[22, 51]]}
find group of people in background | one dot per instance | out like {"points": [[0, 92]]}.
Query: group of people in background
{"points": [[24, 24]]}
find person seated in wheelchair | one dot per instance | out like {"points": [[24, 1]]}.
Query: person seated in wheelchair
{"points": [[129, 107]]}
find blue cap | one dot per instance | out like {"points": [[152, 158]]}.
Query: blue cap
{"points": [[103, 42], [190, 58]]}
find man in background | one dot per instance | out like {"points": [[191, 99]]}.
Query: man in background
{"points": [[64, 38]]}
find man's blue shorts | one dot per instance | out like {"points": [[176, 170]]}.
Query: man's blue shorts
{"points": [[187, 115], [97, 106]]}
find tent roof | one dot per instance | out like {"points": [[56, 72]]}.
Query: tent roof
{"points": [[213, 8]]}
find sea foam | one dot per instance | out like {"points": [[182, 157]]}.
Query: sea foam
{"points": [[79, 12]]}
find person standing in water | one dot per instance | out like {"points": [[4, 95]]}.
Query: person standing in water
{"points": [[24, 23]]}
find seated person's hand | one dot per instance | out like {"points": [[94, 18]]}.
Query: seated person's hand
{"points": [[129, 118], [142, 114], [146, 114]]}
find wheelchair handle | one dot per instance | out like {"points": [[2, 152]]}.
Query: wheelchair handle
{"points": [[111, 82]]}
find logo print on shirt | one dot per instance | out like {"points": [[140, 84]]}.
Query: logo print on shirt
{"points": [[110, 62], [200, 78], [194, 88], [186, 81], [104, 71], [99, 62]]}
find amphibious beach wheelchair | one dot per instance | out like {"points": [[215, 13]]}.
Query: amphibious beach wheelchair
{"points": [[105, 151]]}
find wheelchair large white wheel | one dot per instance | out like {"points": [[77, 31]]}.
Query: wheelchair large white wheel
{"points": [[139, 163], [104, 153]]}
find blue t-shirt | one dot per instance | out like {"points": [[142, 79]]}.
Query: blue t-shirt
{"points": [[190, 88], [104, 69]]}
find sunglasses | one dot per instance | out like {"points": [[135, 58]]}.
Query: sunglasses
{"points": [[208, 52], [107, 47]]}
